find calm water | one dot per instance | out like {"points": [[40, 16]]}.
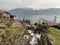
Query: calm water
{"points": [[35, 18]]}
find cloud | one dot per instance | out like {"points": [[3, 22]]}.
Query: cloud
{"points": [[35, 4]]}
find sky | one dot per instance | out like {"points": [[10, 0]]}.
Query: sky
{"points": [[34, 4]]}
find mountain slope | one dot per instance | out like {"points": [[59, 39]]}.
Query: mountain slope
{"points": [[28, 11]]}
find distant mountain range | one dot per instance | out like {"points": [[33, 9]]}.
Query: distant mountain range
{"points": [[29, 11]]}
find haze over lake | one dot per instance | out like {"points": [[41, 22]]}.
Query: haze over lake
{"points": [[35, 18]]}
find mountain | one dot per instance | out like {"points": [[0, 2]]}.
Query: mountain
{"points": [[29, 11]]}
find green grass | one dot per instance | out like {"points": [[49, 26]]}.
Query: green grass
{"points": [[55, 35], [10, 33], [3, 25]]}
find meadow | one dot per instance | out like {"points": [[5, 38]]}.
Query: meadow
{"points": [[55, 35]]}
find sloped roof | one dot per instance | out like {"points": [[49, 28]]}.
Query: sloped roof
{"points": [[51, 23], [2, 12]]}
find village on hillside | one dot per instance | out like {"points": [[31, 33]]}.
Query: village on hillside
{"points": [[22, 32]]}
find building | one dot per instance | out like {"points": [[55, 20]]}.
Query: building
{"points": [[51, 24], [6, 16]]}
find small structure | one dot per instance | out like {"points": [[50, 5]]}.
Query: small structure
{"points": [[6, 16], [51, 24]]}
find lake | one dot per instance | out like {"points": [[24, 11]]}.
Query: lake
{"points": [[35, 18]]}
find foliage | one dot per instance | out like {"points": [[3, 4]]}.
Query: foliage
{"points": [[11, 34], [55, 35]]}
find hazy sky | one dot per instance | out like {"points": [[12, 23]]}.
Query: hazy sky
{"points": [[35, 4]]}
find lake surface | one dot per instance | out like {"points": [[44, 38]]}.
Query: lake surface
{"points": [[35, 18]]}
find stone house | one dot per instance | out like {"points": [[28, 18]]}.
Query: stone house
{"points": [[6, 16]]}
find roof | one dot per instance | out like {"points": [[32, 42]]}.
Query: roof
{"points": [[2, 12], [51, 23]]}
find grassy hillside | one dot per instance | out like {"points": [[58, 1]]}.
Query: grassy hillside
{"points": [[55, 35], [11, 35]]}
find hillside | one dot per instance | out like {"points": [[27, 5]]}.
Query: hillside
{"points": [[55, 35], [11, 35], [29, 11]]}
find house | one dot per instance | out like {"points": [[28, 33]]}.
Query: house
{"points": [[51, 24], [6, 16]]}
